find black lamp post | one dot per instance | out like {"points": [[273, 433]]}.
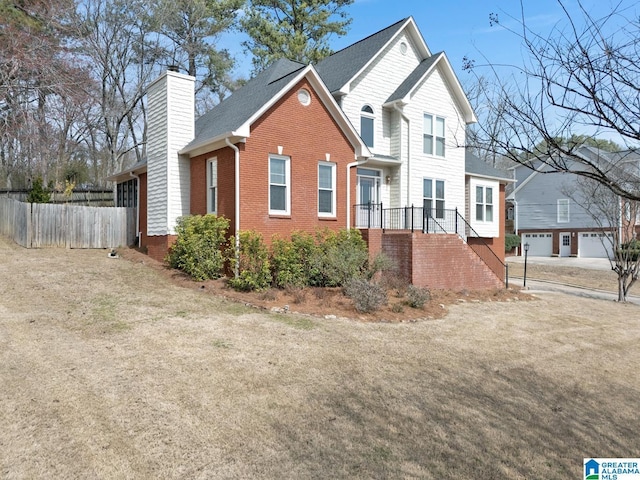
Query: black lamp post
{"points": [[526, 251]]}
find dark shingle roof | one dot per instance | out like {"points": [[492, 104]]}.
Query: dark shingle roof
{"points": [[413, 78], [474, 166], [235, 110], [337, 69]]}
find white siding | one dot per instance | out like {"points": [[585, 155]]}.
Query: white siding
{"points": [[170, 128], [434, 97], [485, 229], [376, 84], [392, 133]]}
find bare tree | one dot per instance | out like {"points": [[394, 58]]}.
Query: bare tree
{"points": [[616, 218], [582, 78]]}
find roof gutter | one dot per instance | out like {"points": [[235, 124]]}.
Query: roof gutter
{"points": [[236, 150]]}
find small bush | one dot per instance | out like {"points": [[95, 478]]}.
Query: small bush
{"points": [[367, 296], [340, 256], [511, 241], [629, 251], [198, 250], [290, 260], [417, 296], [380, 264], [397, 308], [268, 295], [38, 194], [252, 261]]}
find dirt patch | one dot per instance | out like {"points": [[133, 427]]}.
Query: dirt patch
{"points": [[331, 302]]}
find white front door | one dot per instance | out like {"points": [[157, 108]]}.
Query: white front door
{"points": [[368, 198], [565, 244]]}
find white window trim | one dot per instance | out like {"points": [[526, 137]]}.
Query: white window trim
{"points": [[434, 199], [484, 204], [371, 116], [434, 137], [212, 190], [331, 214], [287, 184], [563, 201]]}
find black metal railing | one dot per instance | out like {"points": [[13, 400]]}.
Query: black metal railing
{"points": [[435, 220], [430, 220]]}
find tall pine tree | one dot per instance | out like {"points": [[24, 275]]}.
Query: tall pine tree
{"points": [[295, 29]]}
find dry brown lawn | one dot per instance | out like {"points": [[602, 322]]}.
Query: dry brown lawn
{"points": [[110, 370]]}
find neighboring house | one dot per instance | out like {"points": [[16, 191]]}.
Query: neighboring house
{"points": [[373, 137], [557, 214]]}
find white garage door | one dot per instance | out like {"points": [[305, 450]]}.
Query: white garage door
{"points": [[540, 244], [594, 245]]}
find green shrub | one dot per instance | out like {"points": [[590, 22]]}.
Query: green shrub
{"points": [[290, 260], [340, 256], [381, 263], [367, 296], [417, 296], [38, 194], [511, 241], [252, 262], [198, 250], [629, 251]]}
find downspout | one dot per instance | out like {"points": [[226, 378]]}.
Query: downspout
{"points": [[403, 116], [137, 177], [236, 150], [349, 166], [515, 221]]}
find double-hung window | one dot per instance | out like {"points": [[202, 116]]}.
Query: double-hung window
{"points": [[484, 204], [563, 210], [212, 186], [433, 135], [433, 197], [279, 185], [326, 189]]}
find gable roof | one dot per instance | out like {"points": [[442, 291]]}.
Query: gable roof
{"points": [[340, 68], [232, 118], [477, 168]]}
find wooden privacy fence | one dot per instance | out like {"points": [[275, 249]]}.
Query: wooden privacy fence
{"points": [[35, 225]]}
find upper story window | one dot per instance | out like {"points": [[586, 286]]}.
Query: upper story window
{"points": [[563, 210], [366, 125], [326, 189], [484, 204], [212, 186], [433, 135], [279, 185]]}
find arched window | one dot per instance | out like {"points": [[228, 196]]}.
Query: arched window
{"points": [[366, 125]]}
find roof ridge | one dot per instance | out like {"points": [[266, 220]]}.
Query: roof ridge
{"points": [[372, 35]]}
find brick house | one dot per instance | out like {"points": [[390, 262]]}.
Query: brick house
{"points": [[372, 137]]}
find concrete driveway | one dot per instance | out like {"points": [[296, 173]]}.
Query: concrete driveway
{"points": [[591, 263], [547, 286]]}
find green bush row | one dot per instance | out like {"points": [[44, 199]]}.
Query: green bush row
{"points": [[324, 259]]}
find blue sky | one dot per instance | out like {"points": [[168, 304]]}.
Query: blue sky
{"points": [[459, 27]]}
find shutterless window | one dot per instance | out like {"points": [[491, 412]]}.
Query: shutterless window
{"points": [[563, 210], [433, 138], [366, 125], [279, 185], [484, 204], [433, 197], [212, 186], [326, 189]]}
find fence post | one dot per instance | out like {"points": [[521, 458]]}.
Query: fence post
{"points": [[369, 215], [456, 220], [29, 224], [381, 216]]}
